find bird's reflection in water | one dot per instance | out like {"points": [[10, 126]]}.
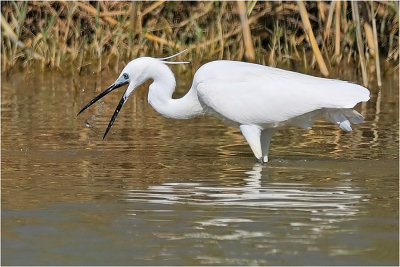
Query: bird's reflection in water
{"points": [[258, 191], [272, 210]]}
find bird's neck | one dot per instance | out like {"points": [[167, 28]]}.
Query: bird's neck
{"points": [[160, 96]]}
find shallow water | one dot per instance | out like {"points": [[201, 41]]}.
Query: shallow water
{"points": [[167, 192]]}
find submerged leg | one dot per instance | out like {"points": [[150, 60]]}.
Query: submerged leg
{"points": [[266, 136], [252, 135]]}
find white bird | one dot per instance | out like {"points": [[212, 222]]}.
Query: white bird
{"points": [[258, 99]]}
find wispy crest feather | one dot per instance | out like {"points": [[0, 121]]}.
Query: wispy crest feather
{"points": [[173, 62]]}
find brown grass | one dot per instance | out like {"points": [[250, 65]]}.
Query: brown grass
{"points": [[93, 36]]}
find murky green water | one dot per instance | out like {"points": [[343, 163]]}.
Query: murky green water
{"points": [[166, 192]]}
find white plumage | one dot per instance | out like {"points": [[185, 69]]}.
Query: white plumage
{"points": [[259, 99], [253, 94]]}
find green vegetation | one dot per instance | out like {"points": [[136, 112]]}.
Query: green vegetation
{"points": [[82, 36]]}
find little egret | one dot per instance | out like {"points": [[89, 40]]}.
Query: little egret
{"points": [[258, 99]]}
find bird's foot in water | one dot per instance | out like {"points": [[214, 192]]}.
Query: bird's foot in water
{"points": [[263, 160]]}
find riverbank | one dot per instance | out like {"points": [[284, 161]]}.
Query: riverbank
{"points": [[94, 36]]}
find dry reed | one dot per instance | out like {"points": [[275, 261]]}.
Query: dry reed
{"points": [[360, 45], [309, 31], [93, 36]]}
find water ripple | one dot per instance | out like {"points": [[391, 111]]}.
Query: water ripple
{"points": [[341, 200]]}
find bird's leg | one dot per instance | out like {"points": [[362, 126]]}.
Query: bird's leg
{"points": [[252, 135], [266, 136]]}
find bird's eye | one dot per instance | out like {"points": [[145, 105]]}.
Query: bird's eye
{"points": [[126, 76]]}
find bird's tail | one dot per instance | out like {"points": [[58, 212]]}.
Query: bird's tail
{"points": [[344, 117]]}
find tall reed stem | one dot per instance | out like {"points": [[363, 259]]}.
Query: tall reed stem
{"points": [[356, 18], [337, 32], [310, 34], [377, 62], [249, 49]]}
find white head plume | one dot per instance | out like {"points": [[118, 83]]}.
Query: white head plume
{"points": [[173, 62]]}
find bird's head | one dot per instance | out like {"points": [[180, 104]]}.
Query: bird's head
{"points": [[135, 73]]}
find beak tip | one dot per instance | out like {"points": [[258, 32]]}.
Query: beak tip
{"points": [[106, 132], [83, 109]]}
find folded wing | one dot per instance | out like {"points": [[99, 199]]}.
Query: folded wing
{"points": [[253, 94]]}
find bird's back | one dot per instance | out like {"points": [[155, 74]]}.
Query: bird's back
{"points": [[249, 93]]}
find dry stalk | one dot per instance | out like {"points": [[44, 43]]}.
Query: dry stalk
{"points": [[321, 10], [220, 32], [88, 8], [377, 62], [356, 18], [329, 21], [162, 41], [249, 48], [370, 38], [307, 27], [337, 32], [152, 7]]}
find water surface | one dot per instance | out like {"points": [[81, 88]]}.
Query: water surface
{"points": [[166, 192]]}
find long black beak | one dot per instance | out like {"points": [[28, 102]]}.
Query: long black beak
{"points": [[116, 112], [105, 92]]}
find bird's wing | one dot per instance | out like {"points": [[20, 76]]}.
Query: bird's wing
{"points": [[253, 94]]}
